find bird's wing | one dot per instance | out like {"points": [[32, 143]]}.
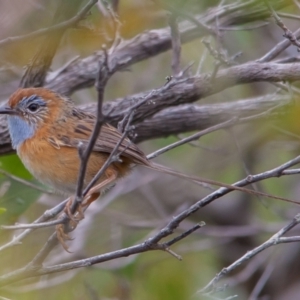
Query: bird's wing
{"points": [[109, 136]]}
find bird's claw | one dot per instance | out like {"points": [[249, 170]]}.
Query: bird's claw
{"points": [[74, 219]]}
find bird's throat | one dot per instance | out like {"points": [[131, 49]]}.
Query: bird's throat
{"points": [[20, 130]]}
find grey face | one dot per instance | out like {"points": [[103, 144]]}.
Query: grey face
{"points": [[31, 105], [23, 123]]}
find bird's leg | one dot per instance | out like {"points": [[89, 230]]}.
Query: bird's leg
{"points": [[76, 217], [95, 191], [91, 196], [61, 234]]}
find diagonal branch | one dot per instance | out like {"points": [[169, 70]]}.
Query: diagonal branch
{"points": [[274, 240]]}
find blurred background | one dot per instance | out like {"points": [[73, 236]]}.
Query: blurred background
{"points": [[145, 201]]}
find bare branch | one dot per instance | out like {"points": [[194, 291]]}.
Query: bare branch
{"points": [[287, 33], [176, 45], [24, 182], [103, 76], [49, 214], [274, 240]]}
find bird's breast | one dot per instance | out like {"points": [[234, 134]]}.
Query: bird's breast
{"points": [[58, 168]]}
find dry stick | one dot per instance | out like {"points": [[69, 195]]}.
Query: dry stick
{"points": [[287, 33], [201, 133], [51, 29], [103, 76], [274, 240], [176, 45], [243, 27], [33, 225], [246, 273], [151, 243], [279, 48], [184, 234], [43, 253], [219, 56], [145, 99], [291, 172], [193, 137], [288, 16], [285, 60], [25, 182], [51, 213], [262, 282]]}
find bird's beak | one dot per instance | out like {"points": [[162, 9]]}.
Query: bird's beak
{"points": [[5, 110]]}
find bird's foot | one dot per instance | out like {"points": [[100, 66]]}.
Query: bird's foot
{"points": [[63, 229]]}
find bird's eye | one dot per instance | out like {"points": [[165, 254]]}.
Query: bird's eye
{"points": [[33, 107]]}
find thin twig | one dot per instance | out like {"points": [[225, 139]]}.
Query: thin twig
{"points": [[287, 32], [32, 226], [25, 182], [176, 45], [243, 27], [184, 235], [49, 214], [193, 137], [262, 282], [278, 49], [289, 16], [274, 240], [223, 125], [102, 79]]}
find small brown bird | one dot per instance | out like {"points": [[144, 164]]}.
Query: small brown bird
{"points": [[46, 130]]}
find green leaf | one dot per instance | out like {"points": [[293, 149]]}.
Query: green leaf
{"points": [[12, 164], [18, 197]]}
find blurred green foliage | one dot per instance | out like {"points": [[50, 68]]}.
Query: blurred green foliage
{"points": [[18, 198]]}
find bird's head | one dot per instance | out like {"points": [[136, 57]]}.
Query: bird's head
{"points": [[31, 109]]}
